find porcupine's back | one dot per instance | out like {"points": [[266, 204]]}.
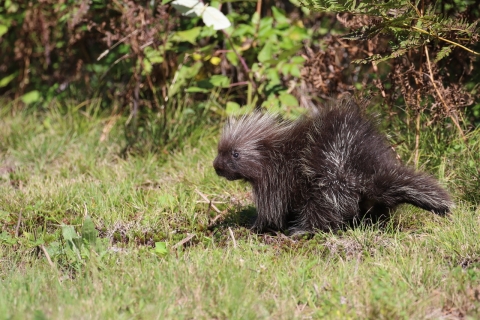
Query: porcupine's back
{"points": [[353, 172]]}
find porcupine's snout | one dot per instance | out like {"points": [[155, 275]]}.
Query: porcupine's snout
{"points": [[223, 169], [219, 167]]}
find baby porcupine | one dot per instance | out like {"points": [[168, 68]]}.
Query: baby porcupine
{"points": [[321, 171]]}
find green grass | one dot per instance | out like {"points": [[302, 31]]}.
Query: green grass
{"points": [[58, 167]]}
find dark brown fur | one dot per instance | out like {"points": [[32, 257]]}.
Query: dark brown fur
{"points": [[322, 171]]}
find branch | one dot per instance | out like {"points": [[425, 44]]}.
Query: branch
{"points": [[447, 108], [443, 39]]}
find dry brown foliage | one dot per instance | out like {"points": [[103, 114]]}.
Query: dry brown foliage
{"points": [[421, 83]]}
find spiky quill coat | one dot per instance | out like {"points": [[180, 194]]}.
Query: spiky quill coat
{"points": [[321, 172]]}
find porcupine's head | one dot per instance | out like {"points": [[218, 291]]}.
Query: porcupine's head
{"points": [[248, 146]]}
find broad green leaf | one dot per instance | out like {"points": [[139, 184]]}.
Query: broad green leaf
{"points": [[297, 59], [187, 35], [297, 34], [279, 16], [272, 104], [7, 79], [3, 29], [205, 85], [208, 32], [243, 29], [89, 233], [54, 248], [232, 58], [208, 49], [197, 89], [273, 76], [266, 53], [266, 30], [160, 248], [288, 100], [232, 108], [266, 24], [69, 234], [295, 71], [147, 66], [190, 72], [289, 45], [255, 18], [183, 74], [6, 238], [31, 97], [220, 81]]}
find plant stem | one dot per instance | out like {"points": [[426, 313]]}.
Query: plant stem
{"points": [[447, 108]]}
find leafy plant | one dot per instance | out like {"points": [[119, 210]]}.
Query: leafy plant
{"points": [[74, 249], [410, 25]]}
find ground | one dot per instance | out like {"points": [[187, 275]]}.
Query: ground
{"points": [[159, 249]]}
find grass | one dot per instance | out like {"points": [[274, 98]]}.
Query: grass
{"points": [[57, 168]]}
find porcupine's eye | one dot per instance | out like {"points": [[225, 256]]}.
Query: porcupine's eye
{"points": [[235, 154]]}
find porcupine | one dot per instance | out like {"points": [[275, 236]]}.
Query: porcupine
{"points": [[322, 171]]}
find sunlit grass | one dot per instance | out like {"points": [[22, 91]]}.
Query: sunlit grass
{"points": [[58, 167]]}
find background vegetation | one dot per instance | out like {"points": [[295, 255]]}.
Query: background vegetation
{"points": [[110, 111], [147, 62]]}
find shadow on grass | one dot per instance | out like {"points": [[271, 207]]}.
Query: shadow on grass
{"points": [[390, 221], [237, 218]]}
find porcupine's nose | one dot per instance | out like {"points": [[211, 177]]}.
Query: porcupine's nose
{"points": [[218, 166]]}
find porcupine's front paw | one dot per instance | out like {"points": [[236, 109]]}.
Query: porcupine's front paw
{"points": [[297, 232]]}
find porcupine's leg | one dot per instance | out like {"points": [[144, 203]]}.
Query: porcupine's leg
{"points": [[404, 185], [330, 207]]}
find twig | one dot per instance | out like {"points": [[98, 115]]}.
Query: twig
{"points": [[417, 139], [447, 108], [104, 53], [50, 262], [259, 8], [203, 201], [419, 82], [136, 97], [212, 222], [443, 39], [233, 237], [108, 127], [17, 229], [242, 83], [283, 236], [48, 257], [175, 77], [210, 204], [181, 243], [242, 60]]}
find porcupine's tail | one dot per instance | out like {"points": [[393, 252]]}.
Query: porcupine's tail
{"points": [[404, 185]]}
